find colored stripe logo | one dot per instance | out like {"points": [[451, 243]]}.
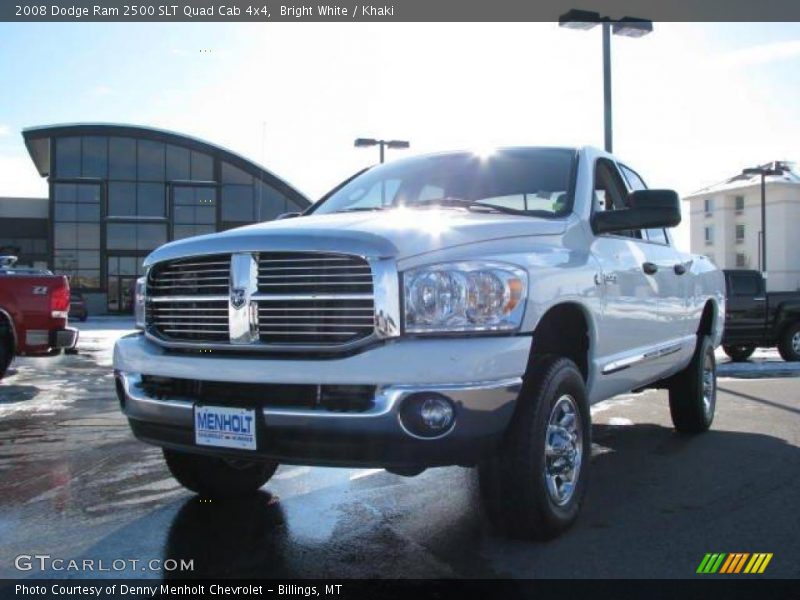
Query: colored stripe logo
{"points": [[734, 563]]}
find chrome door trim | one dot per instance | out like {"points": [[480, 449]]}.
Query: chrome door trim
{"points": [[658, 351]]}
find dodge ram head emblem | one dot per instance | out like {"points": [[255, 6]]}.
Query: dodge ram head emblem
{"points": [[238, 297]]}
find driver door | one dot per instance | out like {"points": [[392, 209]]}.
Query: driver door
{"points": [[628, 331]]}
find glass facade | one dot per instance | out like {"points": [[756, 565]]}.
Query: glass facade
{"points": [[76, 233], [116, 197], [26, 239], [194, 210]]}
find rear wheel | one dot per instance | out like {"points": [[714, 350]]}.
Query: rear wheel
{"points": [[534, 487], [218, 477], [789, 344], [739, 353], [693, 391]]}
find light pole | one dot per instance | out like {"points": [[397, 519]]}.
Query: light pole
{"points": [[393, 144], [627, 26], [763, 171]]}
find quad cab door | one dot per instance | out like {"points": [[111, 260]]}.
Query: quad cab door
{"points": [[631, 328]]}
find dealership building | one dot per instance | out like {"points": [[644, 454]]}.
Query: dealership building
{"points": [[116, 192]]}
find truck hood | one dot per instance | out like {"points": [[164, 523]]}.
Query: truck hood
{"points": [[398, 233]]}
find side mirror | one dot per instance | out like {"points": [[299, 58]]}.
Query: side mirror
{"points": [[647, 209], [288, 215]]}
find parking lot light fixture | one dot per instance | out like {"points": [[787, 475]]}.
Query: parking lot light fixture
{"points": [[579, 19], [383, 144], [626, 26], [763, 171], [630, 27]]}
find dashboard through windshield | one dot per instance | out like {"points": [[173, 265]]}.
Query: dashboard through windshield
{"points": [[526, 181]]}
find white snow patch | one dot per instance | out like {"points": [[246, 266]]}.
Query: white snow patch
{"points": [[365, 473]]}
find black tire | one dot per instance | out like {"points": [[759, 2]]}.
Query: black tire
{"points": [[789, 344], [691, 402], [514, 484], [215, 477], [739, 353], [6, 353]]}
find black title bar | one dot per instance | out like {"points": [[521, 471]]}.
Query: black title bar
{"points": [[390, 10]]}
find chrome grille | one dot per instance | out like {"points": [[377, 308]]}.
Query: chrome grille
{"points": [[302, 273], [200, 276], [197, 320], [188, 299], [314, 298], [303, 300]]}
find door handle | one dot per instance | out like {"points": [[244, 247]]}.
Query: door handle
{"points": [[649, 268], [680, 269]]}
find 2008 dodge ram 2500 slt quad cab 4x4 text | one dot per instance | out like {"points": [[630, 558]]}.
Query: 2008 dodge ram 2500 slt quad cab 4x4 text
{"points": [[451, 309]]}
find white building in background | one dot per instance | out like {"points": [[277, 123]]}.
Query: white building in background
{"points": [[725, 225]]}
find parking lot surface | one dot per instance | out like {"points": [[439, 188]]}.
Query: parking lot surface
{"points": [[74, 483]]}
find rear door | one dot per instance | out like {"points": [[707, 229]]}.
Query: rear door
{"points": [[746, 307], [671, 273]]}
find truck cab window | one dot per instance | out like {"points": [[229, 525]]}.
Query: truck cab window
{"points": [[744, 285], [610, 192]]}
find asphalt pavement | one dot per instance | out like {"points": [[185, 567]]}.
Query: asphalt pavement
{"points": [[75, 484]]}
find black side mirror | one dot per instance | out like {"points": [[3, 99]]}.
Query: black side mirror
{"points": [[647, 209], [288, 215]]}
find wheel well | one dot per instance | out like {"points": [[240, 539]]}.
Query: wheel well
{"points": [[563, 331], [706, 326]]}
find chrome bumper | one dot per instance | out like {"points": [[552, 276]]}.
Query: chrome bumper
{"points": [[374, 437]]}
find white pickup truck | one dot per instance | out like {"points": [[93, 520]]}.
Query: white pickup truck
{"points": [[450, 309]]}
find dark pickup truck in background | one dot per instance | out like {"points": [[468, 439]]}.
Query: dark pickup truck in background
{"points": [[755, 318]]}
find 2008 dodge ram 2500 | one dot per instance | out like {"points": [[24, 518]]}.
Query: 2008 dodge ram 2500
{"points": [[451, 309]]}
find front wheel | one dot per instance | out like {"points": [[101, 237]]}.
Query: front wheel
{"points": [[218, 477], [6, 353], [534, 487], [693, 391], [789, 344], [739, 353]]}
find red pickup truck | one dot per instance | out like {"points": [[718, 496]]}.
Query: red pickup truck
{"points": [[34, 305]]}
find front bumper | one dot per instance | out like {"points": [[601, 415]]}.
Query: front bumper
{"points": [[372, 438]]}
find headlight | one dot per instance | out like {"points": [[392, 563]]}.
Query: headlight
{"points": [[138, 302], [464, 296]]}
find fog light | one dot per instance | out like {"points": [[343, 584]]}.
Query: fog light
{"points": [[436, 413], [427, 415]]}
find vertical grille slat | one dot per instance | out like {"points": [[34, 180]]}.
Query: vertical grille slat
{"points": [[308, 299]]}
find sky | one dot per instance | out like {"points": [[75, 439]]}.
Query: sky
{"points": [[693, 103]]}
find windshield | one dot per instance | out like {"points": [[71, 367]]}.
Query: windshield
{"points": [[528, 181]]}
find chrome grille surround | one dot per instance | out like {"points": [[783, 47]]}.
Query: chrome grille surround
{"points": [[294, 301]]}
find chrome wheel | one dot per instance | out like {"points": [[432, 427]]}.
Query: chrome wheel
{"points": [[796, 342], [563, 450], [709, 384]]}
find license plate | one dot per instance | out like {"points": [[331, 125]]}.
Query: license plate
{"points": [[225, 427]]}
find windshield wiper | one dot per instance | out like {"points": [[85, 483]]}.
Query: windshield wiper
{"points": [[360, 209], [468, 204]]}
